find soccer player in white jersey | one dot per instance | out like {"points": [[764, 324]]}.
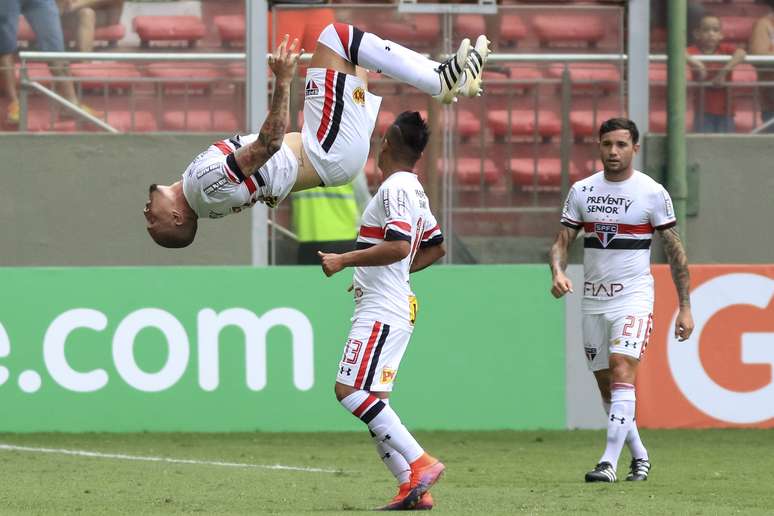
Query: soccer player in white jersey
{"points": [[619, 209], [332, 147], [399, 235]]}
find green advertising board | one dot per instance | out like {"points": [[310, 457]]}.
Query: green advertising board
{"points": [[242, 349]]}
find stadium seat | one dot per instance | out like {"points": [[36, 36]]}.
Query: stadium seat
{"points": [[41, 119], [564, 29], [184, 76], [420, 30], [585, 123], [36, 71], [589, 76], [95, 75], [128, 122], [746, 119], [471, 171], [512, 29], [469, 26], [231, 29], [189, 29], [523, 123], [108, 35], [658, 120], [201, 121], [737, 29], [468, 123], [744, 77], [549, 172]]}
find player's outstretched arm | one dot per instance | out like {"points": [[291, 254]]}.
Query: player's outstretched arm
{"points": [[678, 263], [383, 253], [283, 63], [561, 284], [426, 256]]}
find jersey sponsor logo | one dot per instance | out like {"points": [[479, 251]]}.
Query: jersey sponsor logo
{"points": [[602, 289], [386, 202], [358, 95], [388, 375], [605, 231], [607, 204], [311, 88], [668, 209], [200, 173], [217, 185]]}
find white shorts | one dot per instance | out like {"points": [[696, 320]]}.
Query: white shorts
{"points": [[279, 175], [339, 117], [372, 355], [624, 332]]}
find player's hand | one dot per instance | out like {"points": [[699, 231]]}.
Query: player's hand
{"points": [[331, 263], [561, 285], [284, 59], [683, 324]]}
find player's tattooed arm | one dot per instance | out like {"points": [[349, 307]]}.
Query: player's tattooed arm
{"points": [[283, 63], [678, 263], [561, 284]]}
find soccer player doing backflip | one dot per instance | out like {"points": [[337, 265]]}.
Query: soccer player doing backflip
{"points": [[332, 147], [619, 209]]}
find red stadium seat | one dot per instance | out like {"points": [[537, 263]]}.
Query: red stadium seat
{"points": [[468, 123], [109, 34], [523, 123], [746, 120], [585, 124], [471, 171], [231, 29], [512, 28], [189, 29], [562, 29], [737, 29], [182, 75], [658, 120], [201, 120], [93, 75], [469, 26], [418, 30], [549, 172], [744, 77], [128, 121], [589, 76]]}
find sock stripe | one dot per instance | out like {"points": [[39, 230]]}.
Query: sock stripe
{"points": [[372, 412], [370, 400], [354, 47], [367, 355], [622, 386], [375, 359], [341, 80]]}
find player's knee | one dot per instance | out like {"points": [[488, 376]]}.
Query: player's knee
{"points": [[342, 391], [621, 369]]}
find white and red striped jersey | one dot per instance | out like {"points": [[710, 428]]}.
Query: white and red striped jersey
{"points": [[214, 186], [400, 210], [618, 219]]}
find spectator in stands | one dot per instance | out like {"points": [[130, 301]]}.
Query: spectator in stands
{"points": [[660, 8], [81, 18], [43, 17], [762, 43], [714, 112]]}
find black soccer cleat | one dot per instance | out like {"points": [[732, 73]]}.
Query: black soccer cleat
{"points": [[603, 472], [638, 470]]}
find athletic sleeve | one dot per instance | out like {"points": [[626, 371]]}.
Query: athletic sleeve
{"points": [[662, 213], [397, 214], [431, 233], [571, 213]]}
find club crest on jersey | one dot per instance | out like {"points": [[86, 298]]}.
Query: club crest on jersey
{"points": [[388, 375], [605, 231], [311, 88], [590, 353], [358, 95]]}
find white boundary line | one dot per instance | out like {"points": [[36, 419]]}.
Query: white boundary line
{"points": [[121, 456]]}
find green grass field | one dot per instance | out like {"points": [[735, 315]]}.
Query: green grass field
{"points": [[694, 472]]}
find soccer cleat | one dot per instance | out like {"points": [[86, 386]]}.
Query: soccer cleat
{"points": [[421, 481], [603, 472], [396, 504], [474, 67], [425, 502], [451, 73], [638, 470]]}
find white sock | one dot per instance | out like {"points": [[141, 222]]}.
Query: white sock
{"points": [[379, 55], [620, 420], [394, 461], [384, 423], [633, 441]]}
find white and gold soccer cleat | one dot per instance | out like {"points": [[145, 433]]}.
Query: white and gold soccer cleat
{"points": [[451, 73], [474, 67]]}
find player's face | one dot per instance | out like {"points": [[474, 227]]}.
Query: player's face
{"points": [[159, 208], [709, 34], [616, 150]]}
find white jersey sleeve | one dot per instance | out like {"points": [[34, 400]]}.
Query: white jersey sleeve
{"points": [[662, 215], [572, 213], [431, 234]]}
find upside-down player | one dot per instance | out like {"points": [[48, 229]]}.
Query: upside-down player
{"points": [[333, 145], [399, 235], [619, 209]]}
